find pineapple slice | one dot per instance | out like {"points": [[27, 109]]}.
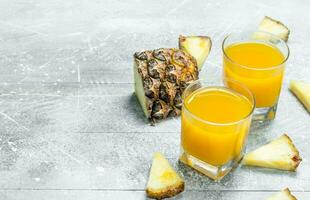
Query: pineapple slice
{"points": [[163, 180], [197, 46], [283, 195], [302, 91], [274, 27], [278, 154]]}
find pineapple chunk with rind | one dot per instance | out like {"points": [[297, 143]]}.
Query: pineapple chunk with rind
{"points": [[197, 46], [160, 77], [280, 154], [302, 91], [274, 27], [163, 181], [283, 195]]}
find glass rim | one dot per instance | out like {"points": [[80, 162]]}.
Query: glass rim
{"points": [[225, 87], [258, 69]]}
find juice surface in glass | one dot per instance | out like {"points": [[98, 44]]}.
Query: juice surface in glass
{"points": [[257, 65], [215, 124]]}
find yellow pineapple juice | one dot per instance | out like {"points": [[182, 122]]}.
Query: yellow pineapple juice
{"points": [[215, 124], [257, 65]]}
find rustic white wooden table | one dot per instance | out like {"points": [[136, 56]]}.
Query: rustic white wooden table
{"points": [[70, 126]]}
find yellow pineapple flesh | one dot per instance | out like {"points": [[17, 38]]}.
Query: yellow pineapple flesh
{"points": [[163, 181], [274, 27], [197, 46], [280, 153], [282, 195], [302, 91]]}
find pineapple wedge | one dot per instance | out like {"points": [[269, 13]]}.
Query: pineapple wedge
{"points": [[274, 27], [302, 91], [283, 195], [163, 180], [161, 76], [197, 46], [278, 154]]}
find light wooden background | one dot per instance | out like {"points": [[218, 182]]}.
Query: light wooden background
{"points": [[70, 127]]}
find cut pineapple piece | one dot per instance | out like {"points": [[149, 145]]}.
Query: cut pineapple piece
{"points": [[274, 27], [302, 91], [282, 195], [278, 154], [161, 76], [163, 180], [197, 46]]}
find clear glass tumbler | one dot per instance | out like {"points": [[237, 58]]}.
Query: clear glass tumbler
{"points": [[215, 124], [258, 61]]}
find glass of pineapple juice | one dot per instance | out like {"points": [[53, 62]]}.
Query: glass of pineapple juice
{"points": [[258, 61], [215, 124]]}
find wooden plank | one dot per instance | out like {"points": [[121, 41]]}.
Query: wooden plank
{"points": [[77, 142], [137, 195]]}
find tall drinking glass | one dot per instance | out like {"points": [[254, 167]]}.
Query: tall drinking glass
{"points": [[215, 124], [258, 61]]}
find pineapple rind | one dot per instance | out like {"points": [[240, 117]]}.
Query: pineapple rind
{"points": [[161, 76], [302, 91], [164, 180], [278, 154], [283, 195], [274, 27], [197, 46]]}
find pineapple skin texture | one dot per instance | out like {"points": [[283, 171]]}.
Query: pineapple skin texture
{"points": [[302, 91], [161, 76], [278, 154]]}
